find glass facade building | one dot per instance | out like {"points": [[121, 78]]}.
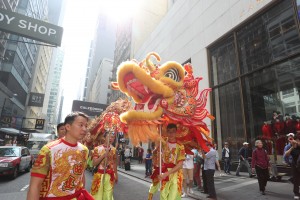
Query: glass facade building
{"points": [[255, 72]]}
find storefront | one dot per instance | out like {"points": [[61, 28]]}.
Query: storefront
{"points": [[254, 70]]}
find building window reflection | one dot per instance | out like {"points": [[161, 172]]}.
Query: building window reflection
{"points": [[256, 86]]}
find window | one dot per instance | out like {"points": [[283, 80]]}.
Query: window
{"points": [[268, 38], [223, 62]]}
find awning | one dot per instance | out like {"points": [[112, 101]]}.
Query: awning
{"points": [[12, 131]]}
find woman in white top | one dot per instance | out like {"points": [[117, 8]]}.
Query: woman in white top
{"points": [[188, 173]]}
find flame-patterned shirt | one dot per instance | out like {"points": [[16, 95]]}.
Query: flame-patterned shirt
{"points": [[62, 167], [111, 157], [173, 153]]}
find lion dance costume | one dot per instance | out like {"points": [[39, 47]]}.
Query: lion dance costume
{"points": [[164, 94]]}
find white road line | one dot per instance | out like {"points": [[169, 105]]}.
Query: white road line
{"points": [[236, 186], [135, 179], [24, 188]]}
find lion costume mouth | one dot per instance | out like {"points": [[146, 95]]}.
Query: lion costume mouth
{"points": [[149, 101], [146, 92]]}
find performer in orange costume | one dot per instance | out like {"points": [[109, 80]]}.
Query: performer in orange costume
{"points": [[58, 172], [104, 157], [173, 155]]}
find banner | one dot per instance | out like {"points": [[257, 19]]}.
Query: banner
{"points": [[89, 108], [36, 99], [22, 25]]}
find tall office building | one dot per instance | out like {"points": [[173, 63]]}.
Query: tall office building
{"points": [[60, 106], [101, 87], [55, 87], [133, 31], [102, 47], [19, 63]]}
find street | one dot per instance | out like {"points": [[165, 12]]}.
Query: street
{"points": [[132, 187]]}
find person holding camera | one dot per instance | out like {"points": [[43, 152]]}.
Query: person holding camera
{"points": [[294, 151]]}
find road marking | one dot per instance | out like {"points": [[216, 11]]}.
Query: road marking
{"points": [[135, 179], [24, 188], [236, 186]]}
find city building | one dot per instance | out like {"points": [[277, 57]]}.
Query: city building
{"points": [[247, 51], [133, 31], [101, 87], [18, 64], [59, 113], [55, 87], [102, 47]]}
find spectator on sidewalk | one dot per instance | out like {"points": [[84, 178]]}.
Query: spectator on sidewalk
{"points": [[288, 159], [243, 159], [148, 163], [209, 170], [140, 154], [122, 154], [188, 170], [261, 164], [217, 157], [294, 151], [198, 162], [226, 157]]}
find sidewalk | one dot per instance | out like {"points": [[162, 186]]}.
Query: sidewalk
{"points": [[138, 171]]}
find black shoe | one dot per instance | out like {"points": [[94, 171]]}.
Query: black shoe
{"points": [[211, 197], [251, 176], [238, 175], [263, 193]]}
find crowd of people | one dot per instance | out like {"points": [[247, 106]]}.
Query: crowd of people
{"points": [[58, 171]]}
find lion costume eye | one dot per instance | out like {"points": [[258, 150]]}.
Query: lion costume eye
{"points": [[173, 74]]}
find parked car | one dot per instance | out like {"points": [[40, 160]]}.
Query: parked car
{"points": [[14, 159]]}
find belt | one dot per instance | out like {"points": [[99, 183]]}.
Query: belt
{"points": [[164, 169], [81, 194], [109, 171]]}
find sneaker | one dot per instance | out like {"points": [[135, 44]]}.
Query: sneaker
{"points": [[296, 197], [183, 195], [191, 191]]}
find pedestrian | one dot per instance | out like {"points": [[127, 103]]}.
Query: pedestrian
{"points": [[140, 154], [122, 154], [155, 180], [105, 160], [226, 157], [243, 159], [127, 154], [217, 158], [172, 161], [209, 170], [188, 173], [148, 163], [58, 171], [294, 151], [198, 162], [288, 160], [261, 164], [61, 130]]}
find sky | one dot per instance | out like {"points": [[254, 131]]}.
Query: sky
{"points": [[79, 27]]}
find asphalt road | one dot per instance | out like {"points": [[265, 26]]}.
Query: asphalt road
{"points": [[131, 188]]}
